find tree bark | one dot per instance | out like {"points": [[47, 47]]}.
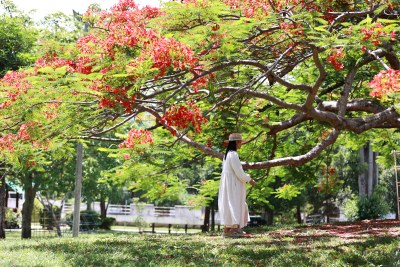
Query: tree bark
{"points": [[56, 219], [103, 209], [269, 216], [368, 178], [362, 180], [213, 217], [27, 207], [370, 169], [3, 193], [298, 214], [206, 223]]}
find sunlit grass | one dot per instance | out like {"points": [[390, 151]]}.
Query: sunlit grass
{"points": [[264, 248]]}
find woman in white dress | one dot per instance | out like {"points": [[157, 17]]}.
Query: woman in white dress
{"points": [[232, 205]]}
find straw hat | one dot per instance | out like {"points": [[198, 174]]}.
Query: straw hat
{"points": [[234, 137]]}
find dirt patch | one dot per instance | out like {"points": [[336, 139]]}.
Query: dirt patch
{"points": [[366, 228]]}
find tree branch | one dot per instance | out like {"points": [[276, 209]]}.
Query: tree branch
{"points": [[297, 160]]}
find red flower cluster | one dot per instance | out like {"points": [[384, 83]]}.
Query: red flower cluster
{"points": [[15, 84], [182, 117], [8, 141], [80, 64], [114, 97], [375, 33], [329, 183], [385, 82], [334, 57], [137, 137], [166, 53]]}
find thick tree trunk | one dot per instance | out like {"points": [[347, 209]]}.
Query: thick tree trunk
{"points": [[27, 208], [362, 179], [3, 193], [368, 178], [213, 217], [298, 214], [206, 224], [6, 196], [269, 216], [103, 209]]}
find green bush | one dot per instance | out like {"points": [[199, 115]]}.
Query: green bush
{"points": [[107, 222], [89, 220], [367, 207], [351, 208], [46, 217], [37, 207], [374, 206], [13, 218]]}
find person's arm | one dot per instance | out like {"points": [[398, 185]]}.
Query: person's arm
{"points": [[237, 168]]}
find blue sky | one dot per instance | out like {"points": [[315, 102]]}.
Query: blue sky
{"points": [[44, 7]]}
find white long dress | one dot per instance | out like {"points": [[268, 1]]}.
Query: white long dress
{"points": [[232, 204]]}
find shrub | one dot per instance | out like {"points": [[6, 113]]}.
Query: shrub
{"points": [[351, 208], [107, 222], [367, 207], [37, 207], [374, 206], [13, 218], [89, 220]]}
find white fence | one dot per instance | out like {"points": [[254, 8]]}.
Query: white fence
{"points": [[148, 213]]}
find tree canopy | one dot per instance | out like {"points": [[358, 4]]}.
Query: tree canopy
{"points": [[200, 69]]}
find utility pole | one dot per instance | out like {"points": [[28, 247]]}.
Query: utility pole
{"points": [[78, 189]]}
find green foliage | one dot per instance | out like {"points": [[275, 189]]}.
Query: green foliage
{"points": [[61, 28], [37, 207], [287, 191], [17, 42], [47, 221], [368, 207], [89, 220], [351, 208], [208, 192], [107, 222], [13, 218], [375, 206], [294, 247]]}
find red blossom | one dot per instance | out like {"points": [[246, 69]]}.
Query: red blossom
{"points": [[334, 57], [184, 116], [7, 142], [330, 182], [23, 135], [16, 83], [385, 82], [137, 137], [374, 34]]}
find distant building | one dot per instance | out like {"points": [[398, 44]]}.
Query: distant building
{"points": [[14, 196]]}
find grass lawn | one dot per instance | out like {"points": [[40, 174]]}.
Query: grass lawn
{"points": [[373, 243]]}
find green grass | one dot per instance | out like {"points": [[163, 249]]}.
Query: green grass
{"points": [[268, 247]]}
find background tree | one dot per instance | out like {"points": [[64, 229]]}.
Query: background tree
{"points": [[278, 71], [18, 37]]}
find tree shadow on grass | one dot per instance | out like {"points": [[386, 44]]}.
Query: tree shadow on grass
{"points": [[286, 247]]}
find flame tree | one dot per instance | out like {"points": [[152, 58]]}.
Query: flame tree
{"points": [[202, 69]]}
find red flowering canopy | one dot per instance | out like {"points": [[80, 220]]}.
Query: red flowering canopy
{"points": [[204, 68]]}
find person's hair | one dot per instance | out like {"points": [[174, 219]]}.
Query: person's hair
{"points": [[231, 147]]}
